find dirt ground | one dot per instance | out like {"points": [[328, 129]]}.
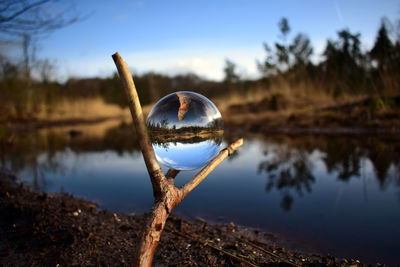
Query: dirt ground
{"points": [[39, 229]]}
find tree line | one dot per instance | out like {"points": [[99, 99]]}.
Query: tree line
{"points": [[345, 68]]}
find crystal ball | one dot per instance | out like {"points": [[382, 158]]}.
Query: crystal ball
{"points": [[185, 130]]}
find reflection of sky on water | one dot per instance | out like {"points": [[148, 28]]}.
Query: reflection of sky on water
{"points": [[186, 156]]}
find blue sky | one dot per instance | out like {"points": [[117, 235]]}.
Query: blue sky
{"points": [[181, 36]]}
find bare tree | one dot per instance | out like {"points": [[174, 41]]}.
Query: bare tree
{"points": [[46, 69], [166, 194], [230, 72], [35, 17], [26, 21]]}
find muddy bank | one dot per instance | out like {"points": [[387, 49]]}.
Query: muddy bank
{"points": [[270, 115], [39, 229]]}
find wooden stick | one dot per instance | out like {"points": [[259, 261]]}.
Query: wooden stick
{"points": [[166, 195], [269, 253], [199, 177], [156, 175]]}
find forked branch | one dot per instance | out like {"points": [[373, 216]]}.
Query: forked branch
{"points": [[166, 195]]}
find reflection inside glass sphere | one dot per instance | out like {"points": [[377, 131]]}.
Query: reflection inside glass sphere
{"points": [[185, 130]]}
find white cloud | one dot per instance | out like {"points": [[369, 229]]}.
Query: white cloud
{"points": [[208, 63]]}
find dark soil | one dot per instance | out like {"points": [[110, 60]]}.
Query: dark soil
{"points": [[39, 229]]}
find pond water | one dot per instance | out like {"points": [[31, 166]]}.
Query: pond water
{"points": [[317, 193]]}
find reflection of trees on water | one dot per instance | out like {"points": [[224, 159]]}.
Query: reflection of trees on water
{"points": [[343, 158], [120, 139], [384, 156], [40, 167], [288, 166], [27, 153], [346, 157], [38, 153], [289, 171], [397, 180]]}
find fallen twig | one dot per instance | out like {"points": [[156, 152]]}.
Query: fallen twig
{"points": [[187, 235], [268, 252]]}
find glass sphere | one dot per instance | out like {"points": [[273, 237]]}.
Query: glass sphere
{"points": [[185, 130]]}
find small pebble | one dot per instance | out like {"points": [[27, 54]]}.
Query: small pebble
{"points": [[75, 213], [116, 217]]}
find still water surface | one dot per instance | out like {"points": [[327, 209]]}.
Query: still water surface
{"points": [[324, 194]]}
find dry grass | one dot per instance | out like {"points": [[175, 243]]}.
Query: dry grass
{"points": [[84, 108], [302, 97]]}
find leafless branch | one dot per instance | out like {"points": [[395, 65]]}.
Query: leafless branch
{"points": [[156, 175], [198, 178], [28, 21], [20, 8], [35, 17]]}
